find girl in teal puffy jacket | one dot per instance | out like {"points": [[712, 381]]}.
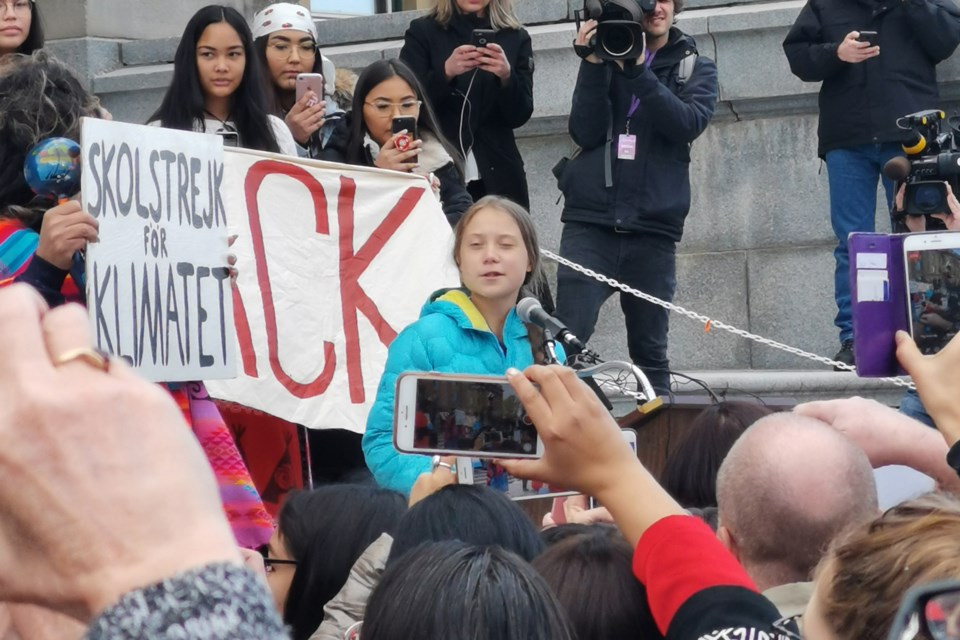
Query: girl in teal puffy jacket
{"points": [[471, 330]]}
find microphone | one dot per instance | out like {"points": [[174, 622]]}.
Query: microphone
{"points": [[531, 311], [896, 169]]}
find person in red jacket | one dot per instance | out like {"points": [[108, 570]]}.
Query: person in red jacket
{"points": [[695, 588]]}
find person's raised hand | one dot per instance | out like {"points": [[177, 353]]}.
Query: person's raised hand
{"points": [[586, 33], [952, 219], [306, 116], [884, 434], [105, 488], [937, 378], [583, 447], [429, 483], [66, 229], [464, 58], [853, 51], [392, 157], [493, 59]]}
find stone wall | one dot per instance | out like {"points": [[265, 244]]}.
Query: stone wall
{"points": [[757, 247]]}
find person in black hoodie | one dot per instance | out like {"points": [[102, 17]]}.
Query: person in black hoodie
{"points": [[481, 94], [867, 86], [626, 201]]}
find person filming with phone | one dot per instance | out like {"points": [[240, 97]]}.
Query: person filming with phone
{"points": [[634, 115], [877, 61], [475, 61], [392, 126]]}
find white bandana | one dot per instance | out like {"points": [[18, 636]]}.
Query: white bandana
{"points": [[281, 17]]}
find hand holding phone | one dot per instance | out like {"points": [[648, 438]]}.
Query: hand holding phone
{"points": [[462, 415], [855, 51], [310, 82], [482, 37], [406, 127]]}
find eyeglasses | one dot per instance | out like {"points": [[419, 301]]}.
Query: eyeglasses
{"points": [[788, 626], [929, 611], [305, 49], [21, 7], [384, 108], [270, 564]]}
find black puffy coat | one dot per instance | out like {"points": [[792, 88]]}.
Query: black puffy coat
{"points": [[860, 103], [494, 110], [650, 194]]}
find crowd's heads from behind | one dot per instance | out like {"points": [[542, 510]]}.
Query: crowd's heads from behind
{"points": [[21, 28], [320, 534], [456, 590], [39, 98]]}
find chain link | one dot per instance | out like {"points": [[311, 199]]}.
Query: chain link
{"points": [[710, 323]]}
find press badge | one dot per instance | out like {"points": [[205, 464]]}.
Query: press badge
{"points": [[627, 146]]}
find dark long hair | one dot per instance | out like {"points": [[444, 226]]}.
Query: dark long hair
{"points": [[455, 590], [478, 515], [271, 93], [182, 106], [373, 75], [591, 574], [690, 473], [325, 531], [35, 38], [39, 98]]}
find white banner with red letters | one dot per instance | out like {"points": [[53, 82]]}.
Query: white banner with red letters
{"points": [[334, 261]]}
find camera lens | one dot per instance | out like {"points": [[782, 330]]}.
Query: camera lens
{"points": [[929, 199], [617, 40]]}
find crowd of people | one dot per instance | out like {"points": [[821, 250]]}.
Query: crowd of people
{"points": [[116, 521]]}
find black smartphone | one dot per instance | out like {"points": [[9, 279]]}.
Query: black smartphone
{"points": [[869, 37], [408, 124], [482, 37]]}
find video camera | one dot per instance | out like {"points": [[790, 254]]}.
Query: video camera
{"points": [[619, 29], [933, 156]]}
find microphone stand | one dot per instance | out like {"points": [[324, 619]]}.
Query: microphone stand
{"points": [[549, 347]]}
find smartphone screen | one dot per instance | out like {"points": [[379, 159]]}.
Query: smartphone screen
{"points": [[933, 281], [475, 418]]}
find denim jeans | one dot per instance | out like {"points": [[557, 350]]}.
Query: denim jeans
{"points": [[853, 175], [644, 261]]}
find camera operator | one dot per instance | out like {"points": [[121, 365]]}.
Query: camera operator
{"points": [[840, 42], [627, 192]]}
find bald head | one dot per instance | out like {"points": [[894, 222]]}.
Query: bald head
{"points": [[789, 485]]}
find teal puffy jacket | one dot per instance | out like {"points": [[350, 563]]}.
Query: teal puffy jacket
{"points": [[450, 337]]}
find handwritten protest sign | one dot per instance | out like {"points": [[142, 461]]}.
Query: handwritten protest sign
{"points": [[334, 261], [158, 290]]}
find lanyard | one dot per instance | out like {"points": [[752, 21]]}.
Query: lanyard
{"points": [[634, 105]]}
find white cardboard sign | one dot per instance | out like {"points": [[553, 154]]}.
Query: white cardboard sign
{"points": [[158, 290]]}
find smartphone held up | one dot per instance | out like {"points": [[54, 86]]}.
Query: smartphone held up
{"points": [[462, 415]]}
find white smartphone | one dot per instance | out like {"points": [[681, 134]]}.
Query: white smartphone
{"points": [[932, 268], [462, 415], [310, 82]]}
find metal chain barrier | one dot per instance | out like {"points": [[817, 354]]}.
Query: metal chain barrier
{"points": [[710, 323]]}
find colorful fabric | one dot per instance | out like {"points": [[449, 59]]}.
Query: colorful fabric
{"points": [[252, 525], [17, 246]]}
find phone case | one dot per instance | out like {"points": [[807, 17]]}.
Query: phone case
{"points": [[878, 300]]}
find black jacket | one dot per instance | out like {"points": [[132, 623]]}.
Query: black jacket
{"points": [[860, 103], [494, 110], [651, 193]]}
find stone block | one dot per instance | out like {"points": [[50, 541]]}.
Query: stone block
{"points": [[88, 57], [131, 19], [133, 106], [141, 52], [389, 26], [791, 301], [714, 285]]}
